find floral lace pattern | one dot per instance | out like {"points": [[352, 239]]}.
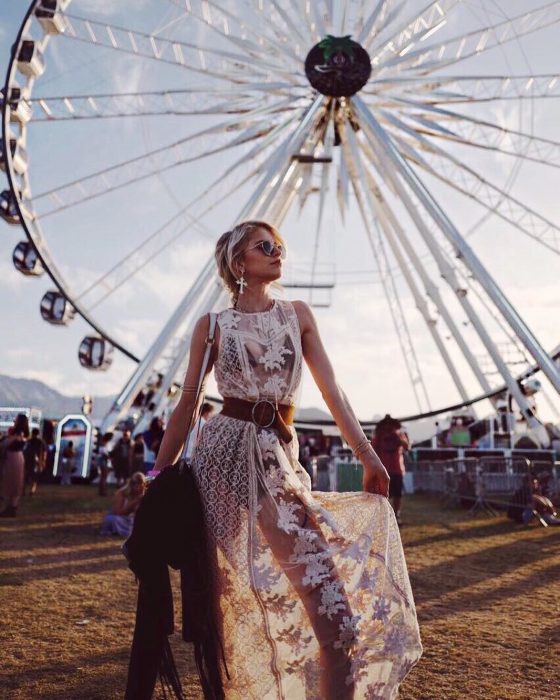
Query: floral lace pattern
{"points": [[306, 580]]}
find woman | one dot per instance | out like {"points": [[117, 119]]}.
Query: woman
{"points": [[125, 504], [313, 589], [13, 465]]}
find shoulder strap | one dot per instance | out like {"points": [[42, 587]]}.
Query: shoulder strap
{"points": [[209, 344], [210, 338]]}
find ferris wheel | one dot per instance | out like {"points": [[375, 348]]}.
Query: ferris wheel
{"points": [[397, 132]]}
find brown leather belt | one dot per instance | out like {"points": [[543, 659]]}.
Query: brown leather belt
{"points": [[263, 413]]}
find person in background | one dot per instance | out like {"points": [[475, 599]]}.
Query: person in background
{"points": [[120, 519], [120, 457], [458, 435], [136, 455], [34, 455], [103, 463], [390, 443], [152, 440], [206, 412], [68, 464], [13, 465]]}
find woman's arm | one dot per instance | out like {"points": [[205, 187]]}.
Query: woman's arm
{"points": [[179, 421], [376, 479], [118, 503]]}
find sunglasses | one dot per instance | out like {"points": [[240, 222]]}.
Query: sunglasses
{"points": [[269, 248]]}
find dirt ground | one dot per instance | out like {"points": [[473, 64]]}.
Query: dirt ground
{"points": [[487, 593]]}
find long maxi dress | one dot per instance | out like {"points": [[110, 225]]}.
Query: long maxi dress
{"points": [[303, 578]]}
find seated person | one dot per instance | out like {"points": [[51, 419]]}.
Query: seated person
{"points": [[120, 519], [529, 501]]}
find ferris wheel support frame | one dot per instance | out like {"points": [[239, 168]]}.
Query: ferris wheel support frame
{"points": [[212, 296], [395, 238], [280, 168], [389, 153], [355, 169], [432, 290]]}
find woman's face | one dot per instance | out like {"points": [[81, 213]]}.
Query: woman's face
{"points": [[137, 486], [260, 267]]}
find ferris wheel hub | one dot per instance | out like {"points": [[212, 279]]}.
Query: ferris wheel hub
{"points": [[338, 66]]}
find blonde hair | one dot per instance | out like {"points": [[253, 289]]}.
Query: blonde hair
{"points": [[230, 247], [137, 476]]}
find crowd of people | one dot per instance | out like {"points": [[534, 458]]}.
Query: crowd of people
{"points": [[27, 459]]}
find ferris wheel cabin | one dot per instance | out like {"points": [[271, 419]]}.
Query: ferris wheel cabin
{"points": [[18, 153], [31, 61], [95, 353], [18, 101], [26, 260], [56, 309], [49, 15], [8, 207]]}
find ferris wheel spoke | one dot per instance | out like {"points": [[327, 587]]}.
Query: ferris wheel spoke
{"points": [[491, 137], [167, 103], [291, 26], [192, 57], [431, 18], [461, 177], [363, 196], [477, 133], [317, 24], [400, 174], [160, 240], [376, 17], [261, 29], [475, 43], [467, 88], [156, 161]]}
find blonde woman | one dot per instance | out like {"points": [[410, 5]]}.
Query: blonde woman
{"points": [[312, 589], [120, 519]]}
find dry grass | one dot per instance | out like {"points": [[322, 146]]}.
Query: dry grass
{"points": [[487, 592]]}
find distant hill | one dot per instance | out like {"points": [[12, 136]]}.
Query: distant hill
{"points": [[15, 391]]}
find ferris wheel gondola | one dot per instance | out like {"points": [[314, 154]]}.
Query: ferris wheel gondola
{"points": [[280, 104]]}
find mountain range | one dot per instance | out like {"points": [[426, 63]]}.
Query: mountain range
{"points": [[32, 393]]}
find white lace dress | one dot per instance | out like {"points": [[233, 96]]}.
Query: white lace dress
{"points": [[306, 580]]}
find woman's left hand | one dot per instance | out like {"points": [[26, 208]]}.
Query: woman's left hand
{"points": [[376, 478]]}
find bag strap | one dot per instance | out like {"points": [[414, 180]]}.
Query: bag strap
{"points": [[210, 338]]}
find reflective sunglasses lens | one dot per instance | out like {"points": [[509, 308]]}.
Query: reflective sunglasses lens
{"points": [[270, 248]]}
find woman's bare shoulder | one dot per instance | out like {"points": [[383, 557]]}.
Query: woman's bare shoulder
{"points": [[305, 315]]}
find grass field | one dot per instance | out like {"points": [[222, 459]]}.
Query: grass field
{"points": [[487, 593]]}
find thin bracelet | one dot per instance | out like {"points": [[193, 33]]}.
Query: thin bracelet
{"points": [[363, 444], [187, 388], [366, 448]]}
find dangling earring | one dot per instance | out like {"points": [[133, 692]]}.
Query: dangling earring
{"points": [[241, 283]]}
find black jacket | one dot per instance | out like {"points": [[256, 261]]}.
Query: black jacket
{"points": [[168, 531]]}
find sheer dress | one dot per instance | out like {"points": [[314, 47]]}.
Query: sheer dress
{"points": [[305, 580]]}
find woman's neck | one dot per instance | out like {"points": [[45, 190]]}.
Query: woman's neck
{"points": [[255, 299]]}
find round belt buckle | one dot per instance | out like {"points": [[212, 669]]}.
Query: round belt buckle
{"points": [[272, 406]]}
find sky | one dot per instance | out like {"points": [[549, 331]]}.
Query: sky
{"points": [[356, 326]]}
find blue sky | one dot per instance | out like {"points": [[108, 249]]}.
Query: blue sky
{"points": [[357, 328]]}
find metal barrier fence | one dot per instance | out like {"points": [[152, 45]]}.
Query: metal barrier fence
{"points": [[485, 482]]}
